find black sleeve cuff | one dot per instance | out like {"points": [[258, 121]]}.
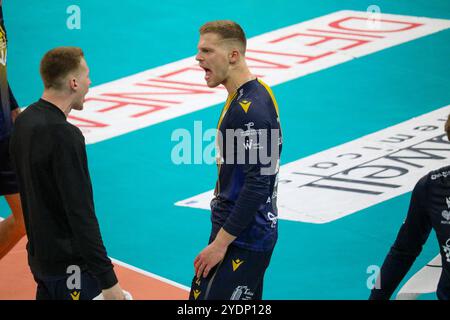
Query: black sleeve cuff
{"points": [[107, 279], [232, 229]]}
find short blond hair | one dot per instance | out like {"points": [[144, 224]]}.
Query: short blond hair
{"points": [[227, 30]]}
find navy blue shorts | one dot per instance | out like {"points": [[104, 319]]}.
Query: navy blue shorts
{"points": [[8, 180], [239, 276], [57, 288]]}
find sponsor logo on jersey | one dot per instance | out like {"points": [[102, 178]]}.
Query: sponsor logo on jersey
{"points": [[272, 217], [444, 174], [446, 248], [446, 213]]}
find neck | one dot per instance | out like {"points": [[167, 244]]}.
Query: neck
{"points": [[60, 100], [237, 78]]}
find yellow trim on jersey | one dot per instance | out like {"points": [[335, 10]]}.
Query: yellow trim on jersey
{"points": [[225, 109], [271, 95], [222, 115]]}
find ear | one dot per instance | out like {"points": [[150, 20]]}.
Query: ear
{"points": [[73, 84], [234, 56]]}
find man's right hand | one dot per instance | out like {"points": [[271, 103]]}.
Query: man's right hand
{"points": [[113, 293]]}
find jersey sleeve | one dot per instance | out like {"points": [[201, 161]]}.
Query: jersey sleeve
{"points": [[409, 242]]}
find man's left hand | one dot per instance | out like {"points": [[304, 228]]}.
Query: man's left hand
{"points": [[208, 258]]}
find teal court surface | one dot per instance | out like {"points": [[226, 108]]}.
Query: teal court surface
{"points": [[362, 87]]}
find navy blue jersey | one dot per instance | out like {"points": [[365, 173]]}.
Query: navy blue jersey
{"points": [[429, 209], [249, 142], [7, 100]]}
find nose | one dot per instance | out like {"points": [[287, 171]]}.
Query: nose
{"points": [[198, 57]]}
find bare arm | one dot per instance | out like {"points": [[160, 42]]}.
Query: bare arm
{"points": [[213, 253]]}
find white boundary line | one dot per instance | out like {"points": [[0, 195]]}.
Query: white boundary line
{"points": [[149, 274], [145, 273]]}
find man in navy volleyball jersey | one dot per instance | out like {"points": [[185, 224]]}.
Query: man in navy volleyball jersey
{"points": [[243, 211], [12, 229], [429, 209]]}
